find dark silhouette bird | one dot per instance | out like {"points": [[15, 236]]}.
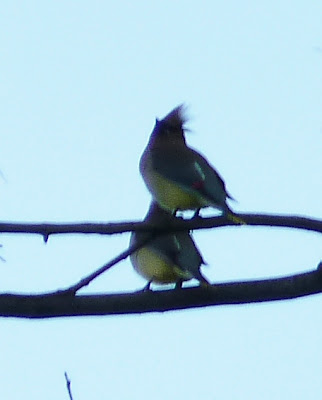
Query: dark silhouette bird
{"points": [[177, 176]]}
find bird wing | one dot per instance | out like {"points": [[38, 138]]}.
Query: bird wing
{"points": [[190, 257], [167, 247], [180, 250], [190, 170]]}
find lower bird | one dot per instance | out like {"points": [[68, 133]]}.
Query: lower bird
{"points": [[169, 258]]}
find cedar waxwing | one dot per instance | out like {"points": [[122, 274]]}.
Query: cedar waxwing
{"points": [[178, 177], [169, 258]]}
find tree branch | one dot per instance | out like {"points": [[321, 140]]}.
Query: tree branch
{"points": [[60, 304], [46, 230], [63, 303]]}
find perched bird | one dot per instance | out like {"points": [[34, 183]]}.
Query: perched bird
{"points": [[169, 258], [178, 177]]}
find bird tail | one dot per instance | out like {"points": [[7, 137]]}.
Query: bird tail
{"points": [[234, 218], [204, 283]]}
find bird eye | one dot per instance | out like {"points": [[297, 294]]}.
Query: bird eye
{"points": [[168, 130]]}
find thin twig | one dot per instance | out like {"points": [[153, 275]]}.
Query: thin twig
{"points": [[3, 177], [68, 383], [1, 258]]}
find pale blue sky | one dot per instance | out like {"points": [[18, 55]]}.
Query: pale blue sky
{"points": [[81, 85]]}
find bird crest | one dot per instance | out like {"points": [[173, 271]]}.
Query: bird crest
{"points": [[176, 118]]}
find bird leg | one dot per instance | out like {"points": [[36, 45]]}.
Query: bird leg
{"points": [[178, 285], [196, 214], [147, 287], [175, 212]]}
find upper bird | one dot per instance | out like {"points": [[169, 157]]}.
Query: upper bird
{"points": [[178, 177]]}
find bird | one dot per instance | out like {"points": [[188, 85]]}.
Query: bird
{"points": [[179, 177], [168, 258]]}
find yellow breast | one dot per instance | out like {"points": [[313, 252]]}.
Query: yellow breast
{"points": [[154, 268], [171, 196]]}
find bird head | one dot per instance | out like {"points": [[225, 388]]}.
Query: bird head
{"points": [[171, 128]]}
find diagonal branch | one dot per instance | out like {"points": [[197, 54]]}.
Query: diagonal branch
{"points": [[61, 305], [88, 279]]}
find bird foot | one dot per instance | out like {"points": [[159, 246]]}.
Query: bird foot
{"points": [[178, 285]]}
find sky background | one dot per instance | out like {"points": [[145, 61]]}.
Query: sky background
{"points": [[81, 85]]}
